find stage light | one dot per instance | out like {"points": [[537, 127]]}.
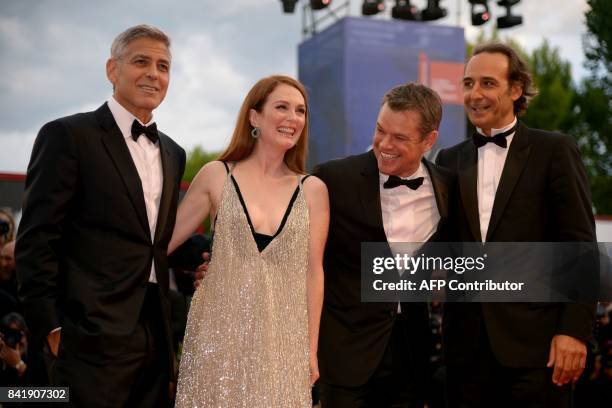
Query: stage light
{"points": [[480, 12], [433, 11], [508, 3], [319, 4], [403, 10], [509, 20], [289, 6], [371, 7]]}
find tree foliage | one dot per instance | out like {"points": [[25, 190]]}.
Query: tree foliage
{"points": [[593, 131], [598, 40], [197, 158], [553, 106], [593, 107]]}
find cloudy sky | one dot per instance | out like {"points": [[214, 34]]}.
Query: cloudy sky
{"points": [[54, 52]]}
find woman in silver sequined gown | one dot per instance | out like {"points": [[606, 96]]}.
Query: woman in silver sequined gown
{"points": [[253, 325]]}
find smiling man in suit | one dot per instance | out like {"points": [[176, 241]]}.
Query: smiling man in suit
{"points": [[99, 210], [376, 354], [515, 184]]}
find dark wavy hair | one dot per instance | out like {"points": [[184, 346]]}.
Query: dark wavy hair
{"points": [[518, 72]]}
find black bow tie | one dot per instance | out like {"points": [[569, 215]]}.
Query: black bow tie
{"points": [[395, 181], [499, 139], [149, 131]]}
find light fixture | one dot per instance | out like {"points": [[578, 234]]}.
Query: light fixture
{"points": [[319, 4], [433, 11], [289, 6], [371, 7], [509, 20], [480, 12], [403, 10]]}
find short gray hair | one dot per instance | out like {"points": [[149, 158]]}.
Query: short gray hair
{"points": [[133, 33]]}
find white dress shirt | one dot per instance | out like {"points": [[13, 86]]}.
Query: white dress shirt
{"points": [[147, 159], [408, 215], [491, 160]]}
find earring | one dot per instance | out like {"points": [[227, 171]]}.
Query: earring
{"points": [[255, 133]]}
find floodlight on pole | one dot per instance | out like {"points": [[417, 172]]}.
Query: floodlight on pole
{"points": [[480, 12], [433, 11], [509, 20], [319, 4], [289, 6], [508, 3], [403, 10], [371, 7]]}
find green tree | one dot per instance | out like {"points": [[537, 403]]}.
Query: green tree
{"points": [[197, 158], [593, 131], [598, 40], [593, 107], [552, 108]]}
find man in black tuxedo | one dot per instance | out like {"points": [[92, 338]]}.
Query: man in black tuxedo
{"points": [[515, 184], [376, 354], [99, 209]]}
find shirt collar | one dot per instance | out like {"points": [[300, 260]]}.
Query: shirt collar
{"points": [[500, 130], [420, 172], [124, 117]]}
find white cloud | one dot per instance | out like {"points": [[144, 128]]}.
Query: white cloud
{"points": [[204, 96], [241, 6], [54, 53], [16, 148], [13, 35]]}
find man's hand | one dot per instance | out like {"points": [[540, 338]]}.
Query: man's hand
{"points": [[568, 357], [201, 270], [53, 340]]}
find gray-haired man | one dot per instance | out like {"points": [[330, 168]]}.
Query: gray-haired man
{"points": [[101, 196]]}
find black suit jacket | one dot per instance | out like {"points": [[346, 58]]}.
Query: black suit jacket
{"points": [[543, 196], [84, 247], [354, 335]]}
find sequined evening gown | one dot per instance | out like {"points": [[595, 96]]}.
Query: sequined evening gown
{"points": [[246, 343]]}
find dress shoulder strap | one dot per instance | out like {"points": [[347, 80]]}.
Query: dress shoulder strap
{"points": [[229, 167]]}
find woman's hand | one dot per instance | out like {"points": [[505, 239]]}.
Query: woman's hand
{"points": [[314, 369]]}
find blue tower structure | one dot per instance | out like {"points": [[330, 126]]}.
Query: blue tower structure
{"points": [[348, 67]]}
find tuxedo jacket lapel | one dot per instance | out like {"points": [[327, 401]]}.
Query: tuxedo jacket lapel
{"points": [[440, 189], [169, 168], [114, 142], [369, 194], [513, 168], [468, 181]]}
